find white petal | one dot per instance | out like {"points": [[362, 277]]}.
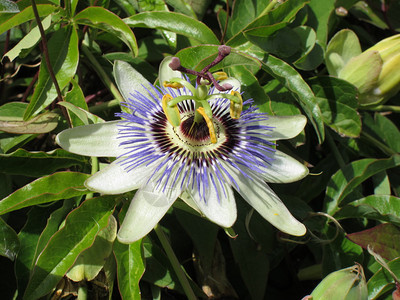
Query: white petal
{"points": [[283, 169], [130, 81], [220, 207], [114, 179], [232, 81], [92, 140], [165, 73], [284, 127], [145, 211], [260, 196]]}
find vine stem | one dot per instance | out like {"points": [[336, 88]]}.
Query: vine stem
{"points": [[175, 263], [47, 60], [391, 108]]}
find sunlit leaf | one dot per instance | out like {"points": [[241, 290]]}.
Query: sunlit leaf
{"points": [[62, 185], [174, 22], [103, 19], [130, 268], [81, 227], [8, 21], [90, 262]]}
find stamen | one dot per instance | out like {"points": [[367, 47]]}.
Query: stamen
{"points": [[236, 108], [220, 76], [209, 123], [174, 85], [172, 113]]}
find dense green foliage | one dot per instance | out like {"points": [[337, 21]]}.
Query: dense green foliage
{"points": [[58, 239]]}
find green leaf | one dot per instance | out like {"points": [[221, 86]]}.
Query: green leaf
{"points": [[29, 237], [243, 14], [293, 81], [7, 6], [383, 129], [81, 227], [174, 22], [10, 141], [54, 222], [11, 120], [64, 56], [183, 7], [36, 164], [75, 96], [321, 12], [382, 282], [130, 268], [8, 21], [42, 123], [103, 19], [80, 116], [341, 48], [9, 242], [382, 238], [28, 41], [198, 57], [338, 102], [269, 23], [90, 262], [352, 175], [58, 186], [383, 208]]}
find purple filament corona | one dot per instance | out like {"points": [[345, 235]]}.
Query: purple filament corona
{"points": [[148, 140]]}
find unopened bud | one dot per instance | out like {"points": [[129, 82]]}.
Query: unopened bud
{"points": [[375, 72], [345, 284]]}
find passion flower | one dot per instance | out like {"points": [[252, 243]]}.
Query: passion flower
{"points": [[195, 142]]}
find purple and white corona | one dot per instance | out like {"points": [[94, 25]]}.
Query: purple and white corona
{"points": [[190, 141]]}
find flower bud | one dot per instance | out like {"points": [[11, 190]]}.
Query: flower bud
{"points": [[375, 72], [345, 284]]}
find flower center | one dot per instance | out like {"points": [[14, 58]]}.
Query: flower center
{"points": [[195, 131], [195, 137]]}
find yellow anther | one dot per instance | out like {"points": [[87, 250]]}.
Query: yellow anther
{"points": [[172, 113], [210, 125], [236, 108], [174, 85], [220, 75]]}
